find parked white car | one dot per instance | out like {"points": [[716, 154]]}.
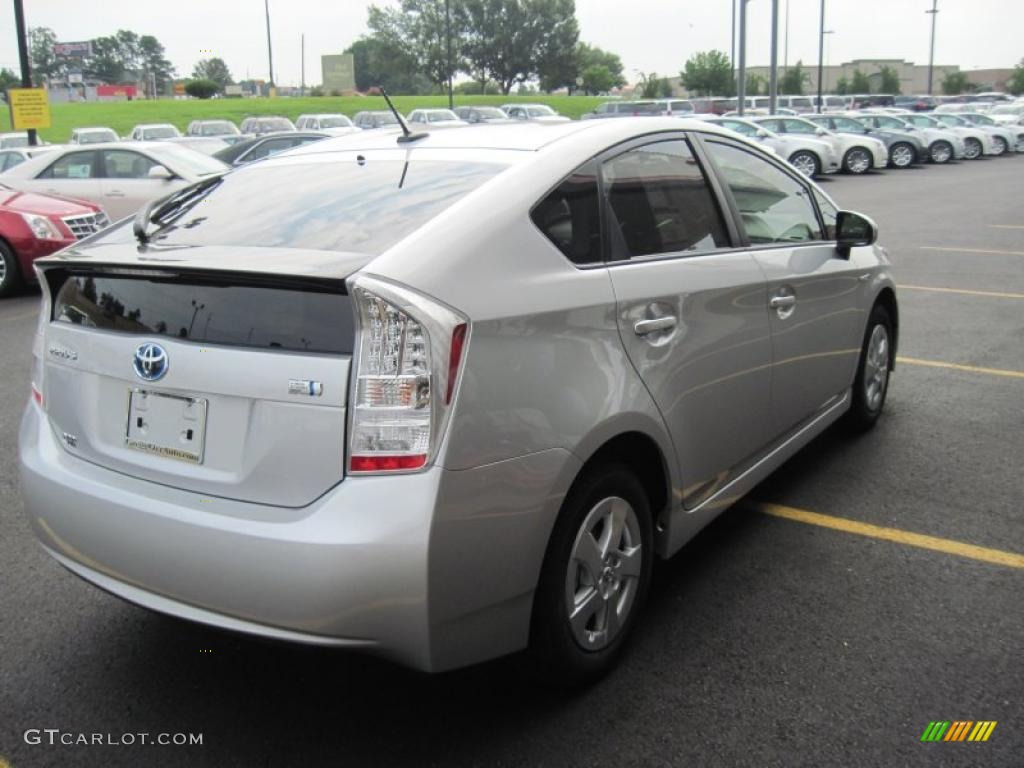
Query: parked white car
{"points": [[332, 124], [13, 139], [208, 128], [97, 134], [973, 134], [154, 132], [857, 154], [120, 178], [9, 158], [435, 118], [535, 113], [803, 152]]}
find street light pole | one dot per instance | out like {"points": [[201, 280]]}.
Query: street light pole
{"points": [[270, 51], [931, 56], [741, 76], [821, 53], [773, 72], [732, 40], [26, 69], [448, 35]]}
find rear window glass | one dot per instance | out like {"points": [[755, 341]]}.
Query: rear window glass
{"points": [[209, 312], [570, 218], [334, 206]]}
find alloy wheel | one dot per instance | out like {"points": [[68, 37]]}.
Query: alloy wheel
{"points": [[603, 574], [972, 149], [941, 152], [805, 164], [3, 271], [902, 156], [1001, 145], [876, 367], [858, 160]]}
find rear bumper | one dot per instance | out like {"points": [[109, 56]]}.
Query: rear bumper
{"points": [[355, 569]]}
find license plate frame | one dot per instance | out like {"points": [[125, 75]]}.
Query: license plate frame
{"points": [[168, 425]]}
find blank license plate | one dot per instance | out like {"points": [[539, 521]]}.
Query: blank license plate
{"points": [[171, 426]]}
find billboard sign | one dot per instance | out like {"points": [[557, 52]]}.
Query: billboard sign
{"points": [[30, 108], [338, 72], [73, 50]]}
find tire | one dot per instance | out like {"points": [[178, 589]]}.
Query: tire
{"points": [[871, 384], [972, 148], [1002, 146], [806, 162], [567, 653], [10, 274], [857, 161], [941, 152], [901, 155]]}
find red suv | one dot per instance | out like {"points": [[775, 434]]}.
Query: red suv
{"points": [[34, 225]]}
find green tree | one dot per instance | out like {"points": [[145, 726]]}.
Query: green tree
{"points": [[890, 80], [955, 83], [793, 80], [1015, 84], [860, 83], [418, 27], [708, 73], [597, 79], [213, 69], [585, 57], [665, 88], [201, 89], [8, 80], [155, 63], [379, 63], [649, 86], [510, 41], [44, 62], [842, 86], [755, 84]]}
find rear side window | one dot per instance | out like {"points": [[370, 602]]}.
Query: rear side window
{"points": [[774, 206], [570, 216], [209, 312], [661, 203], [75, 165]]}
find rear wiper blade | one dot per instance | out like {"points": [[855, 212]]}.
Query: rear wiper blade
{"points": [[156, 210]]}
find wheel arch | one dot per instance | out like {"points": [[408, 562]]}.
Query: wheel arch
{"points": [[887, 298]]}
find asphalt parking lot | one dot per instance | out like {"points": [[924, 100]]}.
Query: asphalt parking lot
{"points": [[771, 640]]}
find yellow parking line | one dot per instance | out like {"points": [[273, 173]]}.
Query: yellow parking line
{"points": [[934, 543], [992, 294], [970, 250], [959, 367], [1007, 226]]}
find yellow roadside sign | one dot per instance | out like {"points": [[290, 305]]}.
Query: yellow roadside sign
{"points": [[29, 108]]}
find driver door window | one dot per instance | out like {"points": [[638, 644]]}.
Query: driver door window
{"points": [[774, 206], [119, 164]]}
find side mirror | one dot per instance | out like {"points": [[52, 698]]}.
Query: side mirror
{"points": [[762, 133], [821, 132], [160, 173], [854, 230]]}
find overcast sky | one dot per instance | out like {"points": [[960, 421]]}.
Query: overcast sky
{"points": [[649, 35]]}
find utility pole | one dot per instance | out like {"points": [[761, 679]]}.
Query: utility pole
{"points": [[448, 36], [785, 55], [303, 86], [931, 56], [732, 40], [741, 76], [773, 72], [270, 51], [821, 53], [26, 69]]}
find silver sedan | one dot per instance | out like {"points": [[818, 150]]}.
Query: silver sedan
{"points": [[449, 398]]}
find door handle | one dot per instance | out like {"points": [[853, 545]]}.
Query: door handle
{"points": [[782, 302], [643, 327]]}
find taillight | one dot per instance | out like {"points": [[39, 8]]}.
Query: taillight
{"points": [[410, 351], [39, 342]]}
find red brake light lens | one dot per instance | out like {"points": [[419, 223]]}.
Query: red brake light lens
{"points": [[454, 358], [387, 463]]}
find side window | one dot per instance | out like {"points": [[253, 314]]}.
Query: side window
{"points": [[775, 207], [570, 216], [829, 214], [75, 165], [661, 203], [269, 147], [799, 126], [741, 128], [120, 164], [774, 125]]}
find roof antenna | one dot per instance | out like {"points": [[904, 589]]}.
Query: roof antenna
{"points": [[407, 135]]}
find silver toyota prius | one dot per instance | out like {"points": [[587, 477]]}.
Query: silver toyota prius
{"points": [[445, 397]]}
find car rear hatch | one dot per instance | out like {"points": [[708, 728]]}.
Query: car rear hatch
{"points": [[218, 370]]}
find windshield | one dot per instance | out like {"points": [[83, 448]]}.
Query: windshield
{"points": [[335, 121], [188, 161], [542, 111], [218, 128], [15, 141], [274, 124], [743, 128], [952, 120], [338, 206], [1008, 109], [440, 116], [95, 137], [980, 119], [385, 118], [160, 132]]}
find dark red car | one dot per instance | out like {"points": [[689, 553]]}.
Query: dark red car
{"points": [[34, 225]]}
